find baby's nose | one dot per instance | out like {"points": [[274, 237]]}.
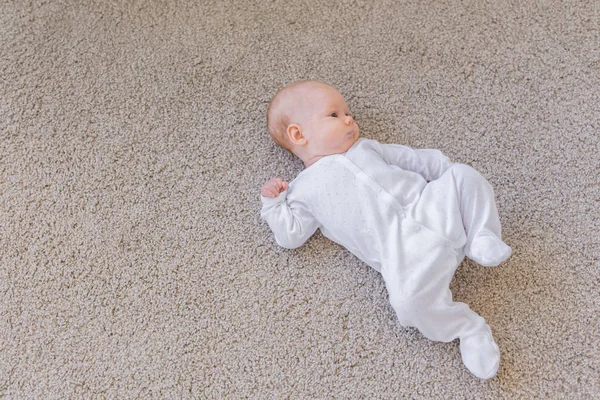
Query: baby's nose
{"points": [[349, 119]]}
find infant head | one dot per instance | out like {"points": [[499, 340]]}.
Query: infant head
{"points": [[311, 119]]}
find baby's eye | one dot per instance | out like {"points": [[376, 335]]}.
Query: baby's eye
{"points": [[334, 115]]}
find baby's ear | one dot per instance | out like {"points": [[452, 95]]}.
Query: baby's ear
{"points": [[294, 132]]}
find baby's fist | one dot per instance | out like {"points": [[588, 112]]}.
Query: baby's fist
{"points": [[273, 187]]}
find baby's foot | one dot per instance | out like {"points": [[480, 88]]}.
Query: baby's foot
{"points": [[488, 250], [480, 354]]}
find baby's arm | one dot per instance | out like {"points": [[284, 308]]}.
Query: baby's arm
{"points": [[291, 222], [429, 163]]}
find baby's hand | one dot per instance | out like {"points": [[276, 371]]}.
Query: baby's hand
{"points": [[273, 187]]}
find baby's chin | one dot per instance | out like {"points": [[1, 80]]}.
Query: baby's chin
{"points": [[349, 142]]}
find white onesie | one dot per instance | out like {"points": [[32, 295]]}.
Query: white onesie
{"points": [[411, 215]]}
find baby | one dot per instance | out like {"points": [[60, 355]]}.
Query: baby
{"points": [[410, 214]]}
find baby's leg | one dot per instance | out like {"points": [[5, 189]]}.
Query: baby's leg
{"points": [[445, 320], [418, 289], [480, 216], [461, 206]]}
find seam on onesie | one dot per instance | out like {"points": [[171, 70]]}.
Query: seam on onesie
{"points": [[373, 185]]}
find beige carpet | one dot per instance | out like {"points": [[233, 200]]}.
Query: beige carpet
{"points": [[133, 260]]}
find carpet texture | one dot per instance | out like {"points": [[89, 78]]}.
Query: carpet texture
{"points": [[133, 260]]}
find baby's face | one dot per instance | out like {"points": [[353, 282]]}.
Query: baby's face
{"points": [[327, 123]]}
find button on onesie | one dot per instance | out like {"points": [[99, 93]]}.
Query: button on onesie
{"points": [[412, 215]]}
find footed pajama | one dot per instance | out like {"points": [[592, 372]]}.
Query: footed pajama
{"points": [[410, 214]]}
